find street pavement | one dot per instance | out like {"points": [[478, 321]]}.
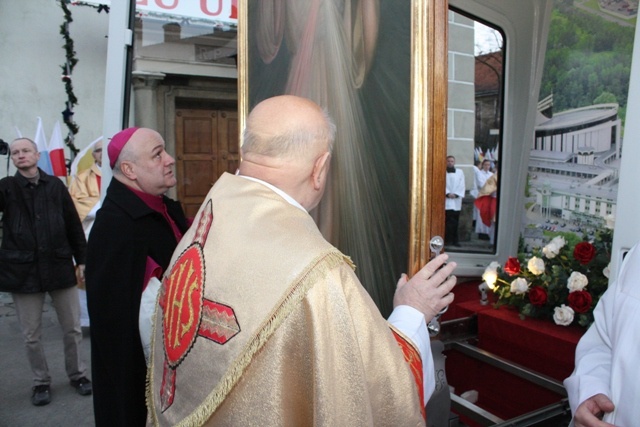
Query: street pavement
{"points": [[67, 408]]}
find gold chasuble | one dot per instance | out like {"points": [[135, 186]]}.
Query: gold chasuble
{"points": [[261, 322], [85, 191]]}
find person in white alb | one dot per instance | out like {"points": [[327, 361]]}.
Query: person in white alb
{"points": [[604, 384], [85, 192], [480, 177], [453, 204]]}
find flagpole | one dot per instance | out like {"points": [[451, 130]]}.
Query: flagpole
{"points": [[120, 42]]}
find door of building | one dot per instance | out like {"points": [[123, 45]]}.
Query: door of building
{"points": [[206, 147]]}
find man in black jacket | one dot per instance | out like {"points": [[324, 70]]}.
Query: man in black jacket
{"points": [[41, 236], [132, 240]]}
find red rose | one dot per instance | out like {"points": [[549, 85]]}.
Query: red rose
{"points": [[538, 296], [512, 266], [584, 252], [580, 301]]}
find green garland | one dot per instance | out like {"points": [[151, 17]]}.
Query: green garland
{"points": [[67, 71]]}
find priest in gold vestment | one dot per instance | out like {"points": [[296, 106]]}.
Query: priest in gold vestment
{"points": [[261, 322], [85, 188], [85, 193]]}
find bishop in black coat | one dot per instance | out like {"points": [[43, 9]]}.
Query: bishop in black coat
{"points": [[126, 232]]}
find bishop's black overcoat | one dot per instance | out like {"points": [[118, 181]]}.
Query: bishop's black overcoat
{"points": [[126, 231]]}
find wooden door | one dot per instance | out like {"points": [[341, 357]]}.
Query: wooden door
{"points": [[207, 145]]}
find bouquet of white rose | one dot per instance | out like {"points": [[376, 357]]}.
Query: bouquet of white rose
{"points": [[562, 282]]}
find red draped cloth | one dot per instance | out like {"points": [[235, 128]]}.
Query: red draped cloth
{"points": [[537, 344], [487, 207]]}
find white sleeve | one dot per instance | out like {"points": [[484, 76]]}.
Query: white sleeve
{"points": [[460, 185], [592, 373], [411, 323], [594, 354], [477, 179], [146, 315]]}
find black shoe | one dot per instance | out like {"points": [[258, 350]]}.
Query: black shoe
{"points": [[82, 386], [41, 395]]}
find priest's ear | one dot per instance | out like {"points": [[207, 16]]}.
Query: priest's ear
{"points": [[321, 170]]}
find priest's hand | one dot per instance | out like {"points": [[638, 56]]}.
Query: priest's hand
{"points": [[429, 290], [589, 413]]}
